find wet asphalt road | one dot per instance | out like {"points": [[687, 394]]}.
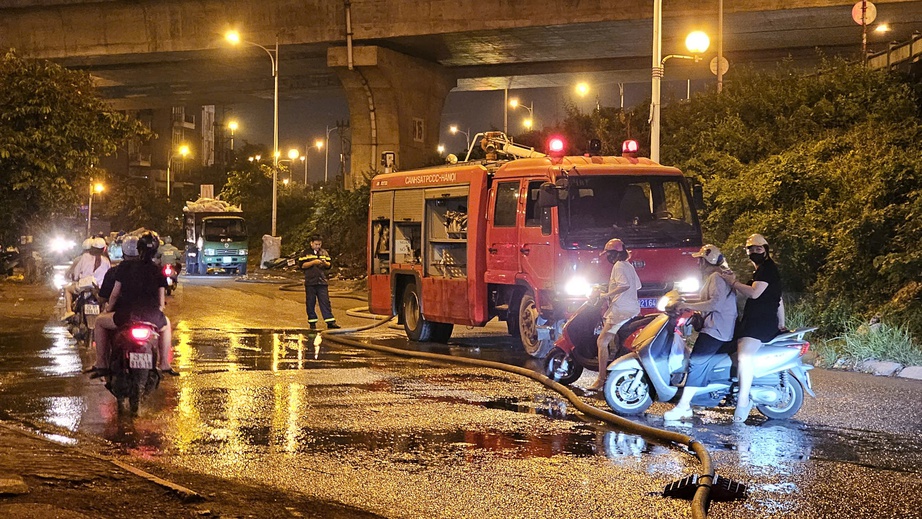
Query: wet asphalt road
{"points": [[263, 402]]}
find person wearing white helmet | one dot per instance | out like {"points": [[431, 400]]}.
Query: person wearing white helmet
{"points": [[623, 285], [763, 316], [93, 262], [717, 303]]}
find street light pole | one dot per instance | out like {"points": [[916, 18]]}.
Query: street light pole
{"points": [[326, 160], [657, 78], [234, 38], [94, 188]]}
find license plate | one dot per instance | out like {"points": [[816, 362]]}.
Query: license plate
{"points": [[169, 282], [291, 263], [648, 302], [226, 259], [91, 309], [140, 360]]}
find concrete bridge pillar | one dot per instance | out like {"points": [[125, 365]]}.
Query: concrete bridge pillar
{"points": [[395, 104]]}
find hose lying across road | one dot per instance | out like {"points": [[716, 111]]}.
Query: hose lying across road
{"points": [[705, 479]]}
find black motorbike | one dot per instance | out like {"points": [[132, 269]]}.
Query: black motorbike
{"points": [[86, 309], [576, 347], [133, 358]]}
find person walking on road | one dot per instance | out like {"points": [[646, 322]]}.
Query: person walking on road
{"points": [[315, 263]]}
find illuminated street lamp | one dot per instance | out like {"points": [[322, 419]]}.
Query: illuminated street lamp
{"points": [[232, 126], [94, 188], [305, 158], [582, 89], [440, 149], [234, 38], [514, 103], [697, 43], [183, 150], [454, 130]]}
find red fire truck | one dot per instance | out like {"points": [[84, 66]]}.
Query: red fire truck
{"points": [[517, 236]]}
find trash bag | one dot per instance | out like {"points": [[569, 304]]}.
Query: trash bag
{"points": [[272, 249]]}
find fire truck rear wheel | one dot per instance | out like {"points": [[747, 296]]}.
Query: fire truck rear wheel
{"points": [[416, 327], [528, 327]]}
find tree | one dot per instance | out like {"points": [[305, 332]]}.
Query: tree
{"points": [[53, 130]]}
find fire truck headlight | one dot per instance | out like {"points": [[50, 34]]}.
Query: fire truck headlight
{"points": [[687, 285], [578, 287]]}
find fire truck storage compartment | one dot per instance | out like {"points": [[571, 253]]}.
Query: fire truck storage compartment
{"points": [[408, 226], [446, 232], [382, 205]]}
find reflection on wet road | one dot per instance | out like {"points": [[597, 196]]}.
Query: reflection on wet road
{"points": [[251, 404]]}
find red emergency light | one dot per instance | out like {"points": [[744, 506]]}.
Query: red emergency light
{"points": [[629, 148], [555, 147]]}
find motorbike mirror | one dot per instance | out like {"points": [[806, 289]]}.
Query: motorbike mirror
{"points": [[547, 195], [698, 196]]}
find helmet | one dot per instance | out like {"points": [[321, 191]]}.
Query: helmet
{"points": [[613, 245], [711, 255], [98, 243], [87, 243], [167, 240], [756, 239], [130, 245], [148, 243]]}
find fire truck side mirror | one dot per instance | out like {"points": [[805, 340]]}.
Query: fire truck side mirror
{"points": [[698, 196], [547, 195]]}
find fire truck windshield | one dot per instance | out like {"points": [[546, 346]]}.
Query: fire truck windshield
{"points": [[648, 211]]}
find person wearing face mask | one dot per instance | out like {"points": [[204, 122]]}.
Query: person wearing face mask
{"points": [[622, 291], [718, 304], [763, 315]]}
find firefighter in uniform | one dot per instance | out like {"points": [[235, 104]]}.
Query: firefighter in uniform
{"points": [[315, 262]]}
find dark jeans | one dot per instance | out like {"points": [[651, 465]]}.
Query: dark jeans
{"points": [[704, 357], [313, 294]]}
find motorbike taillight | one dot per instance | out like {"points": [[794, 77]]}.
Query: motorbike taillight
{"points": [[804, 347], [168, 270], [140, 334]]}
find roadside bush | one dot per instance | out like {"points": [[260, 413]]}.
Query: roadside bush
{"points": [[861, 342]]}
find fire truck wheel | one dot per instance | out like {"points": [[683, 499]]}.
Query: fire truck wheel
{"points": [[416, 327], [528, 327]]}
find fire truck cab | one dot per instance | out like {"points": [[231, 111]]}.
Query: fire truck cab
{"points": [[518, 237]]}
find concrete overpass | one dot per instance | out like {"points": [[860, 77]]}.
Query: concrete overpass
{"points": [[407, 55]]}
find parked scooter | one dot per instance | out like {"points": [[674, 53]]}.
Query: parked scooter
{"points": [[657, 366], [576, 349], [86, 309], [132, 364], [171, 273]]}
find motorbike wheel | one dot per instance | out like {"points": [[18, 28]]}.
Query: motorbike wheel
{"points": [[791, 402], [621, 399], [415, 325], [561, 367], [528, 327], [169, 289]]}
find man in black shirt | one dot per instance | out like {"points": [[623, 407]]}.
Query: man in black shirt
{"points": [[315, 262]]}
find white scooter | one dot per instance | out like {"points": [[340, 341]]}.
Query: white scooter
{"points": [[658, 364]]}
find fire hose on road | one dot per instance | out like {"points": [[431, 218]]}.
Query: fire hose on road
{"points": [[705, 479]]}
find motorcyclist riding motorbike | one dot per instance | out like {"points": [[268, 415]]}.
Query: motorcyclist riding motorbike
{"points": [[138, 294], [622, 291], [168, 254], [763, 315], [93, 262], [718, 306]]}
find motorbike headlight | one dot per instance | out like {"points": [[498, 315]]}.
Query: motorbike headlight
{"points": [[59, 244], [578, 287], [661, 304], [690, 284], [209, 252]]}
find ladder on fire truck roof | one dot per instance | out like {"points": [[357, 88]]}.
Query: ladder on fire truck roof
{"points": [[494, 143]]}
